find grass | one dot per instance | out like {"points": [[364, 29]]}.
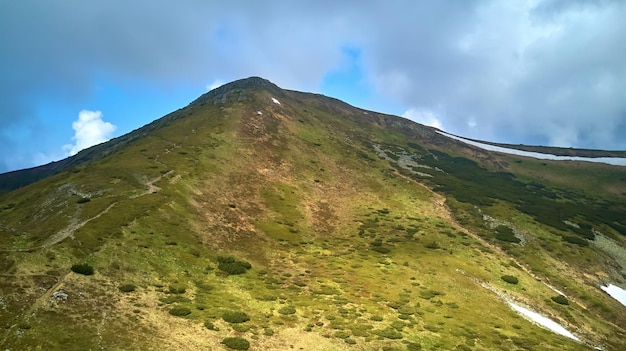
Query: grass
{"points": [[363, 256]]}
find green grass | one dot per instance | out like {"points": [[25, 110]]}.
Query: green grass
{"points": [[301, 236]]}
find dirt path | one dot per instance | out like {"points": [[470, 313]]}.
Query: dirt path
{"points": [[73, 227], [61, 235], [69, 230], [151, 187]]}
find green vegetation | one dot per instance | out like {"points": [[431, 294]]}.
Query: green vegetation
{"points": [[510, 279], [235, 317], [505, 233], [365, 231], [390, 333], [177, 289], [82, 268], [287, 310], [576, 240], [23, 325], [231, 265], [560, 299], [210, 326], [236, 343], [180, 311], [127, 288]]}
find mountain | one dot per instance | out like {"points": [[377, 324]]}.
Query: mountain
{"points": [[266, 219]]}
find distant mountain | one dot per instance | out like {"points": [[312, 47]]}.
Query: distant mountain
{"points": [[266, 219]]}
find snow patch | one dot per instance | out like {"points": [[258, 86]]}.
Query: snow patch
{"points": [[531, 315], [543, 321], [274, 100], [259, 113], [555, 289], [617, 161], [615, 292]]}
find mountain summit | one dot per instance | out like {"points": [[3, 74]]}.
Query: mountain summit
{"points": [[238, 86], [267, 219]]}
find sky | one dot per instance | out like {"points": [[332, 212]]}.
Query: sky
{"points": [[75, 73]]}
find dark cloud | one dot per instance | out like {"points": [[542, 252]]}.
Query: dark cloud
{"points": [[511, 71], [497, 72]]}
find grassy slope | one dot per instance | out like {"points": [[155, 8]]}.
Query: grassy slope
{"points": [[333, 223]]}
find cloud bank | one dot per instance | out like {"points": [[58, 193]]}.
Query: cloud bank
{"points": [[545, 72], [89, 130]]}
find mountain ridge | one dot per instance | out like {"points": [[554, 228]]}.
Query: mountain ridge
{"points": [[273, 219], [18, 178]]}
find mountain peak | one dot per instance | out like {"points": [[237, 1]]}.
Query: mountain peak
{"points": [[320, 225], [236, 89]]}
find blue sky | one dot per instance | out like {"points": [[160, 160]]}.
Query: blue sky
{"points": [[547, 72]]}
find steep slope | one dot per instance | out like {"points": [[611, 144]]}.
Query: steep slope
{"points": [[293, 220]]}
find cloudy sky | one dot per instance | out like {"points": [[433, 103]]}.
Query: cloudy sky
{"points": [[552, 72]]}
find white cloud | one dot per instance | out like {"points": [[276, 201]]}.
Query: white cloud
{"points": [[89, 130], [216, 84], [426, 117], [521, 69], [472, 122]]}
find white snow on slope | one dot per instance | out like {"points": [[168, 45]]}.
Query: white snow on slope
{"points": [[615, 292], [543, 321], [275, 101], [533, 316], [555, 289], [617, 161]]}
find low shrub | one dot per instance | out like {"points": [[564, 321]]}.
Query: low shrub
{"points": [[83, 200], [127, 288], [210, 326], [413, 346], [510, 279], [231, 265], [576, 240], [429, 294], [177, 289], [504, 233], [406, 310], [398, 325], [342, 334], [389, 333], [24, 325], [174, 298], [180, 311], [433, 245], [235, 317], [560, 299], [381, 249], [82, 268], [241, 327], [236, 343], [287, 310]]}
